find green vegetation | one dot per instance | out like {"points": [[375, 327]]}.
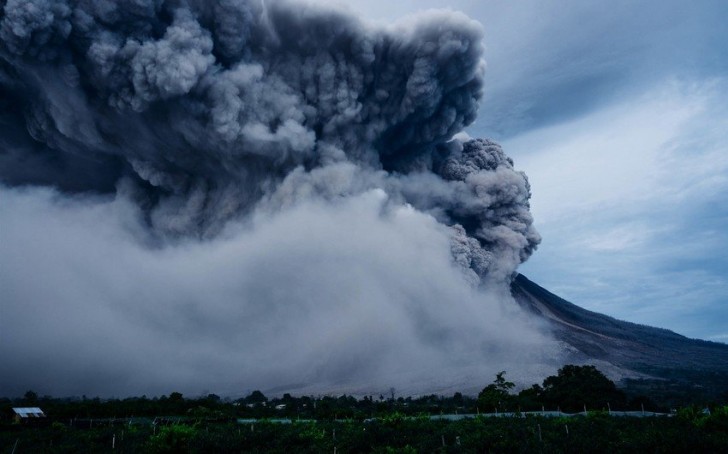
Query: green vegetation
{"points": [[255, 423], [497, 395], [595, 433]]}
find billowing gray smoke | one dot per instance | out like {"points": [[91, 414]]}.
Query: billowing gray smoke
{"points": [[212, 116]]}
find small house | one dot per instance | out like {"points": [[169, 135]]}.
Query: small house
{"points": [[25, 414]]}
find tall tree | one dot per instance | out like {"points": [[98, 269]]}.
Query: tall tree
{"points": [[497, 394]]}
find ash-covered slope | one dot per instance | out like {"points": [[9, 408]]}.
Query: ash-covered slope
{"points": [[634, 349]]}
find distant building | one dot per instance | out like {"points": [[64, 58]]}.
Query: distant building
{"points": [[23, 414]]}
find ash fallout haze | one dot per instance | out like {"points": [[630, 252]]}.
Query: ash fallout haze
{"points": [[279, 195], [231, 195]]}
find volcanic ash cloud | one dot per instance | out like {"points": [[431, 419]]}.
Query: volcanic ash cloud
{"points": [[233, 195]]}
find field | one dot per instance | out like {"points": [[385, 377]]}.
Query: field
{"points": [[578, 410], [688, 431]]}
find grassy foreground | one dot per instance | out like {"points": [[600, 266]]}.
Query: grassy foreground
{"points": [[689, 431]]}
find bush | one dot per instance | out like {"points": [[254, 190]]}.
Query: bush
{"points": [[172, 439]]}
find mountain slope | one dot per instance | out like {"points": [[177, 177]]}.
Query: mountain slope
{"points": [[636, 350]]}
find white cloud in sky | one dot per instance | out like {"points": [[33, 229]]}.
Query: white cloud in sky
{"points": [[628, 200], [621, 155]]}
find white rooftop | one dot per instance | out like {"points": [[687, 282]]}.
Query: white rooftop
{"points": [[29, 412]]}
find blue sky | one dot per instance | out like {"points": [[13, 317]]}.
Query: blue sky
{"points": [[618, 113]]}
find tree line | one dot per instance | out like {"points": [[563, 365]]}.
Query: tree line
{"points": [[572, 389]]}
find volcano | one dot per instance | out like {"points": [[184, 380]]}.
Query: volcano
{"points": [[237, 195], [641, 357]]}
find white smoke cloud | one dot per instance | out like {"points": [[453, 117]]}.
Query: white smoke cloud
{"points": [[356, 295]]}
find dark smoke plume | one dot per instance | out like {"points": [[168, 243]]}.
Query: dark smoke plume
{"points": [[202, 108], [205, 113]]}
